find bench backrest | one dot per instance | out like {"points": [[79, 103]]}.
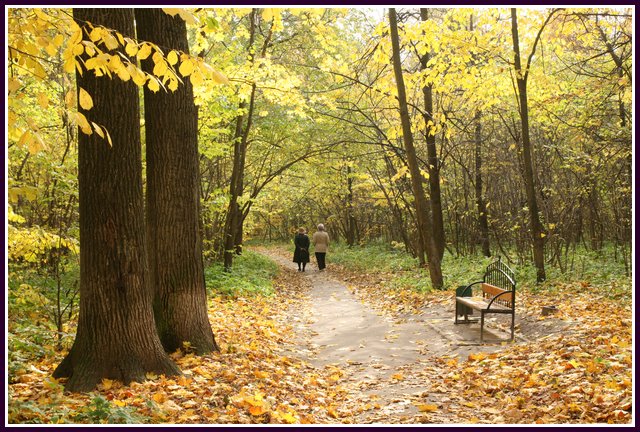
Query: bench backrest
{"points": [[490, 291], [497, 279]]}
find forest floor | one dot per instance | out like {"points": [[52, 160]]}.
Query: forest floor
{"points": [[339, 347], [403, 360]]}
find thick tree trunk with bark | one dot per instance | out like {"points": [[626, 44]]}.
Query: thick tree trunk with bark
{"points": [[537, 230], [423, 213], [173, 201], [437, 224], [116, 335], [483, 220]]}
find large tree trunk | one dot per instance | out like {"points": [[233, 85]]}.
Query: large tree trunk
{"points": [[173, 232], [483, 221], [116, 335], [437, 224], [537, 230], [423, 213]]}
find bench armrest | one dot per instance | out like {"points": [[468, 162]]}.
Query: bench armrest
{"points": [[468, 289]]}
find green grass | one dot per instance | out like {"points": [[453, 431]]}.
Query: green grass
{"points": [[599, 271], [251, 274]]}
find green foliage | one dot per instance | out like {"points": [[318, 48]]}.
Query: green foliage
{"points": [[599, 272], [375, 257], [100, 410], [251, 275]]}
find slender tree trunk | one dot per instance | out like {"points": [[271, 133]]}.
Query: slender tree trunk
{"points": [[537, 230], [351, 234], [432, 157], [483, 222], [233, 211], [116, 335], [234, 222], [423, 213], [173, 198]]}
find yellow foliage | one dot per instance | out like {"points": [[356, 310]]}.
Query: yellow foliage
{"points": [[85, 100], [31, 244]]}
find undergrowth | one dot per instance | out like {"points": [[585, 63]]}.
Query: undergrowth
{"points": [[596, 271], [251, 274]]}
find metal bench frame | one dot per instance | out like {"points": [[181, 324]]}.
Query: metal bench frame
{"points": [[499, 275]]}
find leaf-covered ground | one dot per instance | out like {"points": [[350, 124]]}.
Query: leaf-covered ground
{"points": [[251, 380], [577, 369], [578, 374]]}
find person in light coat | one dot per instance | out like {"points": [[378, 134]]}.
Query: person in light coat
{"points": [[320, 242]]}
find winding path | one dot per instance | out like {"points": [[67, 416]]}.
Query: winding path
{"points": [[390, 359]]}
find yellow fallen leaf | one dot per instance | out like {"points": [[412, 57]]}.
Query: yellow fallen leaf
{"points": [[427, 408], [184, 381], [159, 397], [478, 356], [335, 377], [257, 410], [286, 417], [107, 384], [398, 376], [119, 403]]}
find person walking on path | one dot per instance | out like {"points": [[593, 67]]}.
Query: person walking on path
{"points": [[301, 254], [321, 244]]}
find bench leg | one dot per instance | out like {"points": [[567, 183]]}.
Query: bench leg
{"points": [[481, 326], [513, 319]]}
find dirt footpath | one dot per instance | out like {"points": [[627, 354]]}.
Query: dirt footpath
{"points": [[388, 362], [383, 357]]}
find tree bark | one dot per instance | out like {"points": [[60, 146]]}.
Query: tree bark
{"points": [[423, 213], [173, 197], [483, 220], [235, 191], [351, 233], [537, 230], [116, 335], [432, 157]]}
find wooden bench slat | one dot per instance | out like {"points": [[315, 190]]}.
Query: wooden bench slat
{"points": [[479, 303], [494, 291]]}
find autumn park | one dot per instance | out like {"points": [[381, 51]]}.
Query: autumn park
{"points": [[305, 215]]}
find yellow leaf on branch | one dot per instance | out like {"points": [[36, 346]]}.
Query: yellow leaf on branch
{"points": [[86, 102], [186, 67]]}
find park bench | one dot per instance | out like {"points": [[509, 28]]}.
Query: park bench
{"points": [[495, 293]]}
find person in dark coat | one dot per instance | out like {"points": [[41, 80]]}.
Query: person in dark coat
{"points": [[301, 254]]}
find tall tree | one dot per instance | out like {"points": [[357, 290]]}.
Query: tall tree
{"points": [[233, 229], [116, 335], [432, 153], [537, 229], [423, 213], [483, 219], [176, 270]]}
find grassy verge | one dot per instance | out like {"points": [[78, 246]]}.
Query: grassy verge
{"points": [[598, 272], [251, 274]]}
